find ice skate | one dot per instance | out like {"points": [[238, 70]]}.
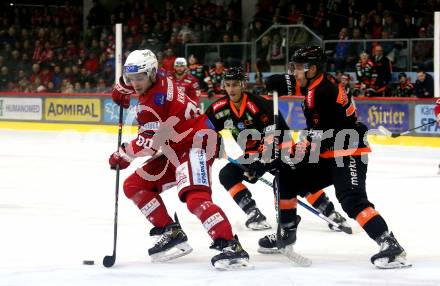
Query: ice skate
{"points": [[327, 208], [391, 255], [171, 243], [232, 255], [339, 219], [268, 244], [256, 220]]}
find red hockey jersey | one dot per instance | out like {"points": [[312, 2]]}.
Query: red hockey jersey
{"points": [[189, 83], [437, 110], [167, 117]]}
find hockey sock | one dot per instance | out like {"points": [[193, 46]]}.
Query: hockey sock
{"points": [[152, 206], [288, 212], [320, 201], [212, 217], [243, 197], [372, 222]]}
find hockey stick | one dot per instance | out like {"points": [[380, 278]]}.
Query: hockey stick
{"points": [[280, 241], [388, 133], [347, 230], [286, 250], [109, 260]]}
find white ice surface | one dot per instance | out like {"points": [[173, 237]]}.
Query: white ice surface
{"points": [[57, 203]]}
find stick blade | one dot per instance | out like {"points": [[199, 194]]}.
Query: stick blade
{"points": [[385, 131], [109, 260], [346, 229]]}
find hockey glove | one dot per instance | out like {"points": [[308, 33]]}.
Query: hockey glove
{"points": [[121, 93], [120, 158], [284, 84], [255, 170]]}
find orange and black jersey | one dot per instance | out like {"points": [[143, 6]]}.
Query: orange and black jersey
{"points": [[327, 107], [254, 113]]}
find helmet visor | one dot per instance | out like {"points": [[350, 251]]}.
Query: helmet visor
{"points": [[135, 77], [297, 67]]}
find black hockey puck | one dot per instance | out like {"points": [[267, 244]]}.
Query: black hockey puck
{"points": [[88, 262]]}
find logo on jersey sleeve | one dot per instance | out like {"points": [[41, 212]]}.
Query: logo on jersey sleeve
{"points": [[219, 104], [159, 98], [170, 90], [252, 107], [310, 99]]}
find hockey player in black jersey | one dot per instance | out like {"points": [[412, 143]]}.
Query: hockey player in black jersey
{"points": [[239, 111], [341, 148]]}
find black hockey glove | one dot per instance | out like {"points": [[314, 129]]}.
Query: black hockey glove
{"points": [[255, 170], [284, 84]]}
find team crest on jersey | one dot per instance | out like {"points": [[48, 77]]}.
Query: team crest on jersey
{"points": [[252, 107], [159, 98], [219, 104]]}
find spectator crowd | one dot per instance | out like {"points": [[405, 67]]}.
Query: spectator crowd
{"points": [[47, 49]]}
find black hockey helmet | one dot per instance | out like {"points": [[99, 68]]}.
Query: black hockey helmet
{"points": [[235, 73], [312, 55]]}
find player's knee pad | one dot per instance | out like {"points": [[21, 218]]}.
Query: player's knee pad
{"points": [[131, 187], [353, 204], [230, 175], [198, 201], [136, 190]]}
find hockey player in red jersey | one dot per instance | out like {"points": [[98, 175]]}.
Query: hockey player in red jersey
{"points": [[437, 110], [173, 133], [185, 80]]}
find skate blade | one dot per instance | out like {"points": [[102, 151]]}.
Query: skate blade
{"points": [[343, 228], [295, 257], [399, 262], [268, 250], [177, 251], [259, 226], [233, 264]]}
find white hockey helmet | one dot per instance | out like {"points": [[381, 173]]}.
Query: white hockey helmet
{"points": [[140, 61], [180, 62]]}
